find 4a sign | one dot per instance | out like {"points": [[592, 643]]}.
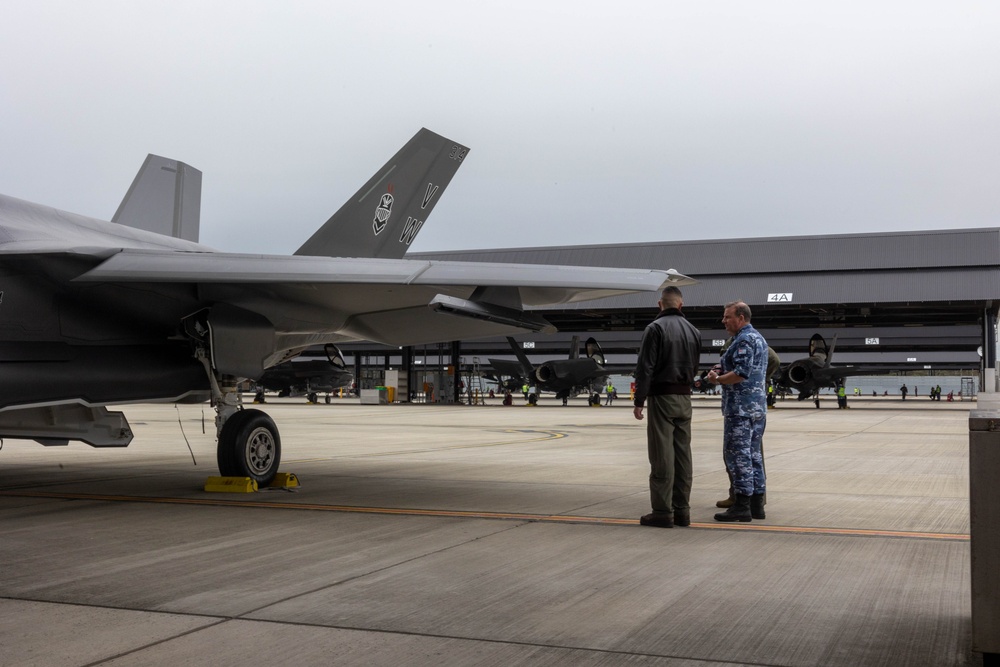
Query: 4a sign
{"points": [[780, 297]]}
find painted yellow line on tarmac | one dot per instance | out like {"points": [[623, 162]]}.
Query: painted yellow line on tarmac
{"points": [[544, 436], [518, 516]]}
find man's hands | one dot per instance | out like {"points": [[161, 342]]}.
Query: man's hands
{"points": [[638, 413]]}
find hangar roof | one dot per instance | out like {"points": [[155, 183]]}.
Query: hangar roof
{"points": [[845, 268], [875, 279]]}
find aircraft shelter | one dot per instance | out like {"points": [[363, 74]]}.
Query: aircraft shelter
{"points": [[906, 302]]}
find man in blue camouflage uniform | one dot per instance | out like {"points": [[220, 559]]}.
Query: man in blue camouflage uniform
{"points": [[744, 412]]}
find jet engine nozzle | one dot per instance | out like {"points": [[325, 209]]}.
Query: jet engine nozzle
{"points": [[800, 372], [546, 372]]}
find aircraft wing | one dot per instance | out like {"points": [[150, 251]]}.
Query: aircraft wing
{"points": [[309, 300], [537, 284], [507, 367], [829, 376]]}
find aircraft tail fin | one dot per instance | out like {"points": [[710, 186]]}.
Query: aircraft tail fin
{"points": [[384, 216], [574, 349], [521, 357], [165, 198]]}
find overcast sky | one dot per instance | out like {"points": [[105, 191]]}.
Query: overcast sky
{"points": [[589, 122]]}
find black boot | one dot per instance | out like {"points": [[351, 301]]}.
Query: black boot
{"points": [[740, 511], [757, 506], [657, 520]]}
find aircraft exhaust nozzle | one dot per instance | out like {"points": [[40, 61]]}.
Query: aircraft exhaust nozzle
{"points": [[799, 373], [545, 373]]}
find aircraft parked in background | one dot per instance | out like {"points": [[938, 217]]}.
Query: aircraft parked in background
{"points": [[308, 375], [94, 313], [563, 377], [807, 376]]}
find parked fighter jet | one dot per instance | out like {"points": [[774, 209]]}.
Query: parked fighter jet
{"points": [[807, 376], [563, 377], [94, 313], [308, 375]]}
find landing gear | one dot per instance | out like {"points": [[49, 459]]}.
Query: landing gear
{"points": [[249, 446]]}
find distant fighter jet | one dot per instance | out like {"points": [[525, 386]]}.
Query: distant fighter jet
{"points": [[807, 376], [308, 375], [563, 377], [96, 313]]}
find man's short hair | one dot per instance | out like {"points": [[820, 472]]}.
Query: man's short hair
{"points": [[672, 295], [740, 309]]}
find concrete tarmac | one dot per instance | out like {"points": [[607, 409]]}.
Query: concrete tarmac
{"points": [[458, 535]]}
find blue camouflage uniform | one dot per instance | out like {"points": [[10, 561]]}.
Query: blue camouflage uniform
{"points": [[744, 411]]}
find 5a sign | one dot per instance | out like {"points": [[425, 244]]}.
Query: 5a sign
{"points": [[780, 297]]}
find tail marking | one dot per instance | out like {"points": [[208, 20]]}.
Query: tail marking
{"points": [[382, 213]]}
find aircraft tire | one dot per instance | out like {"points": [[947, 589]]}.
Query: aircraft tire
{"points": [[327, 399], [249, 446]]}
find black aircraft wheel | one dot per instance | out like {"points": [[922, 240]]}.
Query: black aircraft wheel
{"points": [[311, 397], [328, 399], [249, 446]]}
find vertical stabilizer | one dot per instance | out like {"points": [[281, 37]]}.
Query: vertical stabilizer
{"points": [[383, 218], [521, 357], [574, 348], [165, 198]]}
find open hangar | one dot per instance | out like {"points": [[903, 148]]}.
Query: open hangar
{"points": [[902, 302]]}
